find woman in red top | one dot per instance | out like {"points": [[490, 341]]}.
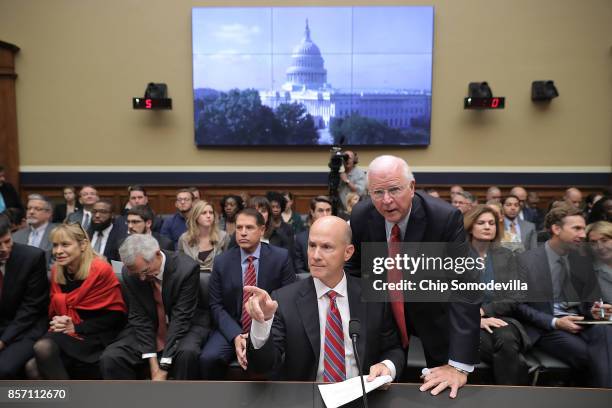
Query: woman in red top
{"points": [[86, 310]]}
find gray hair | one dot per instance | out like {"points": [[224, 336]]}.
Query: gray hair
{"points": [[40, 197], [138, 245], [386, 161]]}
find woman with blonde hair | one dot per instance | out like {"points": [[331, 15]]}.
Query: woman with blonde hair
{"points": [[203, 240], [86, 310]]}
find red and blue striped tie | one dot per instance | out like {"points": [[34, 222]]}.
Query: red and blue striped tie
{"points": [[250, 279], [334, 369]]}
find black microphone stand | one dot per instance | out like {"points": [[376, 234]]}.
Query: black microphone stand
{"points": [[354, 329]]}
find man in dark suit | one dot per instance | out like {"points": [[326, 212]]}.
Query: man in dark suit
{"points": [[525, 213], [314, 306], [320, 206], [395, 213], [102, 233], [164, 320], [8, 195], [24, 299], [562, 287], [88, 196], [38, 217], [137, 197], [253, 263]]}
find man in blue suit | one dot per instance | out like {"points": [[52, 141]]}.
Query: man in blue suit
{"points": [[253, 263]]}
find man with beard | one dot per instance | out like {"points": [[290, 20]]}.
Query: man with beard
{"points": [[175, 225], [24, 298], [38, 218], [137, 196], [140, 221], [104, 237]]}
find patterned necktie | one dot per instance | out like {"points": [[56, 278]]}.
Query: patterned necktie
{"points": [[33, 236], [334, 367], [162, 326], [250, 279], [85, 221], [397, 296], [98, 244]]}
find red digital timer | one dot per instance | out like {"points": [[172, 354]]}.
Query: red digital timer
{"points": [[484, 103], [152, 103]]}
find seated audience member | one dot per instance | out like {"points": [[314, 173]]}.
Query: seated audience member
{"points": [[195, 193], [320, 206], [253, 263], [105, 238], [303, 334], [602, 210], [352, 179], [8, 195], [272, 236], [590, 201], [203, 240], [175, 225], [351, 200], [573, 196], [525, 213], [521, 235], [493, 195], [88, 196], [599, 235], [432, 192], [66, 208], [502, 338], [291, 217], [137, 195], [165, 327], [24, 300], [86, 310], [230, 206], [462, 201], [38, 218], [537, 213], [277, 206], [16, 218], [557, 272], [454, 190], [139, 220]]}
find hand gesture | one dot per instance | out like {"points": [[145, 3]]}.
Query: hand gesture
{"points": [[439, 378], [62, 324], [490, 322], [240, 344], [260, 305]]}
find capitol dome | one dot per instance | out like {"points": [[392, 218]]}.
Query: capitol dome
{"points": [[307, 70]]}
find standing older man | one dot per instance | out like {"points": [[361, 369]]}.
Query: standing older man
{"points": [[321, 307], [38, 217], [396, 213]]}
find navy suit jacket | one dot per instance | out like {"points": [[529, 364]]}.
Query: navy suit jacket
{"points": [[225, 286], [447, 330], [537, 312], [300, 252]]}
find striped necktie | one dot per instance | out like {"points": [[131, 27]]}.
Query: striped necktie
{"points": [[334, 367], [250, 279]]}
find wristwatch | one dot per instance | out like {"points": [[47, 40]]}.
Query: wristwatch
{"points": [[461, 370]]}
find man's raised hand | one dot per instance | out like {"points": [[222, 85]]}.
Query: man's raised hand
{"points": [[260, 305]]}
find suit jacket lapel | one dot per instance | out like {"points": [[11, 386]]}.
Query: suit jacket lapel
{"points": [[236, 279], [358, 311], [309, 313], [417, 222], [262, 277], [167, 285]]}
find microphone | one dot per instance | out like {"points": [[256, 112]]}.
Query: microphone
{"points": [[354, 332]]}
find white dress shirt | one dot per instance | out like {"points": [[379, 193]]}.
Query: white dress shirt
{"points": [[103, 235], [260, 332], [36, 234]]}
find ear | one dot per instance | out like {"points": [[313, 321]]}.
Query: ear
{"points": [[148, 224], [555, 229], [348, 252]]}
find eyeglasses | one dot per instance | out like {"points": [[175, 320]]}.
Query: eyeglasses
{"points": [[78, 224], [37, 209], [132, 222], [182, 200], [393, 192]]}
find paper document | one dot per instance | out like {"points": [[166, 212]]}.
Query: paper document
{"points": [[337, 394]]}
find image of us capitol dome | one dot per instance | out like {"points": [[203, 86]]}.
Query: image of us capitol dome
{"points": [[406, 111]]}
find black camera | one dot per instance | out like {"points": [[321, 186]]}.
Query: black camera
{"points": [[337, 159]]}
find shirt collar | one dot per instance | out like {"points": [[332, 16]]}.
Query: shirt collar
{"points": [[39, 229], [322, 289], [244, 255], [552, 255]]}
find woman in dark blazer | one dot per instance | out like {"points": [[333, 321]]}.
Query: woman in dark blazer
{"points": [[502, 338], [86, 310], [70, 205]]}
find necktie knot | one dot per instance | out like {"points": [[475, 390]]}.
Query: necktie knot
{"points": [[332, 295], [250, 259]]}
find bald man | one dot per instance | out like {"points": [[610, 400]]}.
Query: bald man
{"points": [[573, 196], [322, 306], [395, 212]]}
